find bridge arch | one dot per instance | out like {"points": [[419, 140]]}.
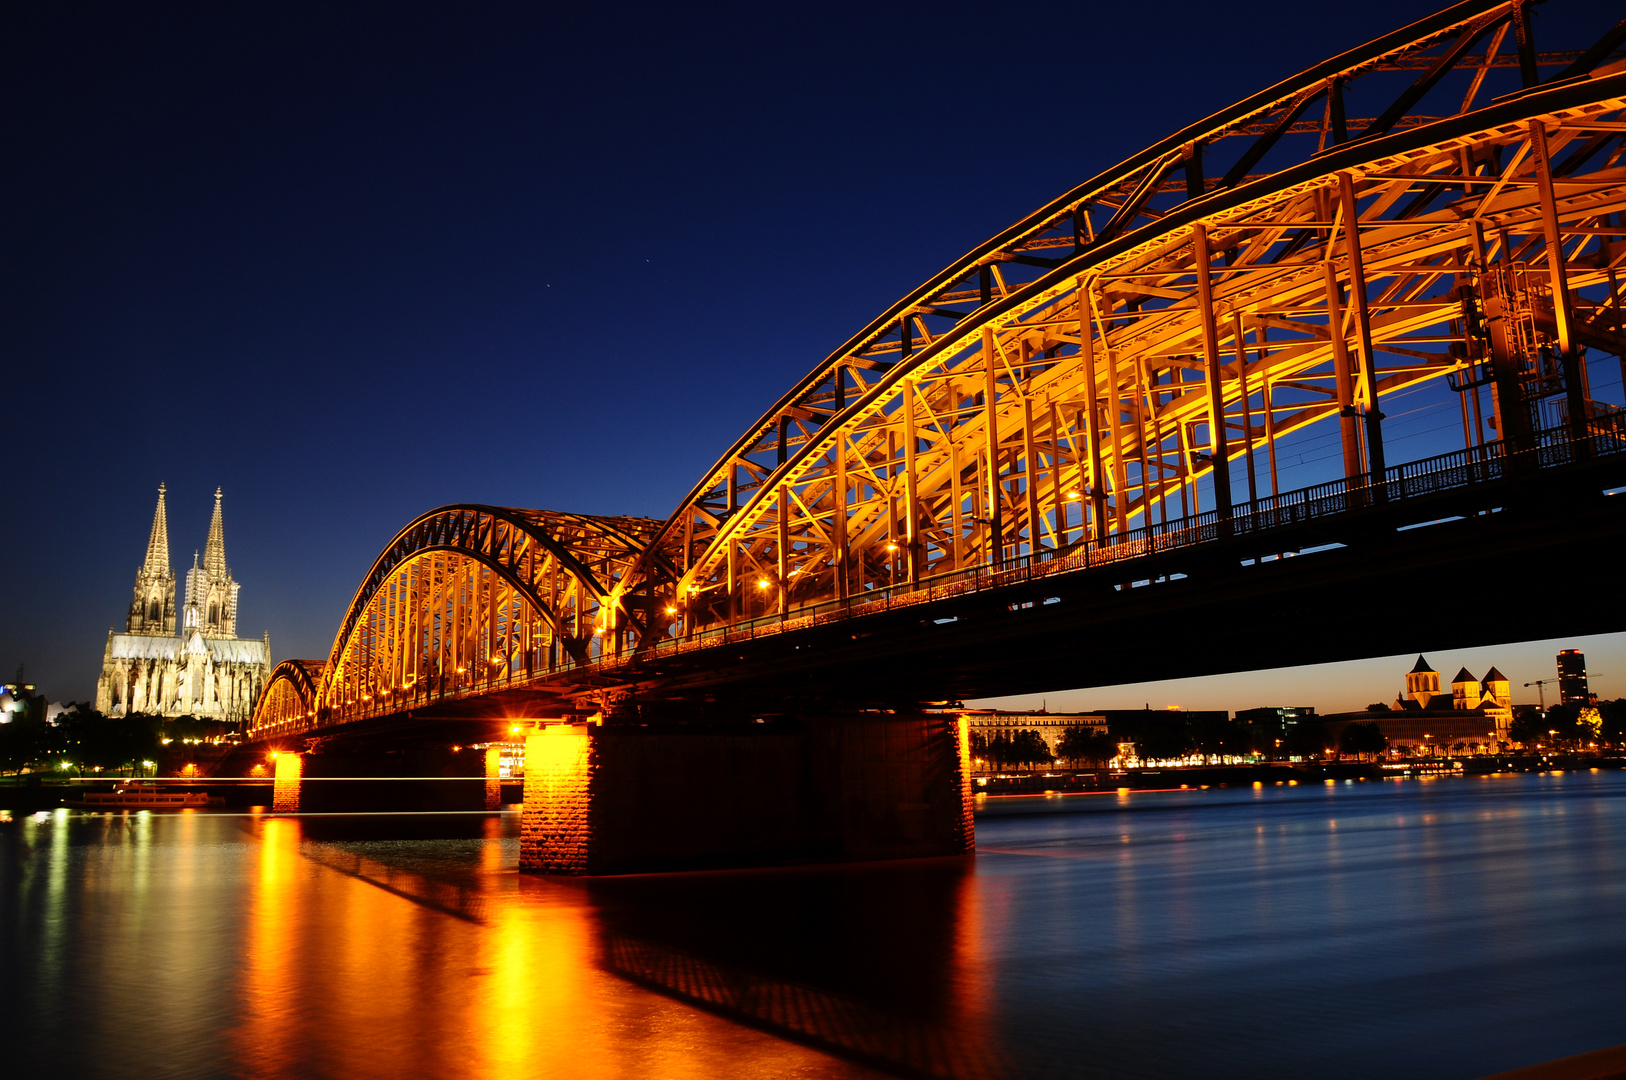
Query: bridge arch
{"points": [[1131, 353], [289, 699], [1119, 366], [470, 598]]}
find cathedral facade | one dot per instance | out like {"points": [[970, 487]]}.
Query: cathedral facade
{"points": [[186, 662]]}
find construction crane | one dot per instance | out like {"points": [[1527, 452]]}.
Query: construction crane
{"points": [[1541, 697]]}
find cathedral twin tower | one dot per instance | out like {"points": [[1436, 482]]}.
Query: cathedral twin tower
{"points": [[201, 669]]}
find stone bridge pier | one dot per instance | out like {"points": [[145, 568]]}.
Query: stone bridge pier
{"points": [[616, 799]]}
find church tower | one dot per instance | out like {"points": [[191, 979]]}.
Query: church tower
{"points": [[1422, 683], [152, 612], [211, 594]]}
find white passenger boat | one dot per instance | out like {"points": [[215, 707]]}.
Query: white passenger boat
{"points": [[143, 797]]}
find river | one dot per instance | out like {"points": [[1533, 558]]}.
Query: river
{"points": [[1444, 928]]}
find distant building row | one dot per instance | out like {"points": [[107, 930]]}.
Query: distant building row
{"points": [[1477, 711]]}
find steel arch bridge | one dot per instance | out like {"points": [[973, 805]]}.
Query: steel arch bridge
{"points": [[1110, 376]]}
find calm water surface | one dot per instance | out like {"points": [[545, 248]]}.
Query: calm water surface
{"points": [[1441, 928]]}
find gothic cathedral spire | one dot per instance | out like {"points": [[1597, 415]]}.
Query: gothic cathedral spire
{"points": [[214, 552], [152, 611], [211, 594], [158, 543]]}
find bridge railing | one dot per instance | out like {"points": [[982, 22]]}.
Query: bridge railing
{"points": [[1460, 469], [1489, 463]]}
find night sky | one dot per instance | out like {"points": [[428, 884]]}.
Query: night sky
{"points": [[353, 261]]}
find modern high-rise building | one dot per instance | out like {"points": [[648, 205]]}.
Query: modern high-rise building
{"points": [[1572, 688], [201, 668]]}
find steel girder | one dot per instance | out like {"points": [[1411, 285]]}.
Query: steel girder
{"points": [[469, 599], [1080, 373], [288, 701], [1093, 368]]}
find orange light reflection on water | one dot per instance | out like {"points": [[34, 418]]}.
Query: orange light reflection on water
{"points": [[346, 978]]}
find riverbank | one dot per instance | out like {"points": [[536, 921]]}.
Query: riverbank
{"points": [[1277, 772]]}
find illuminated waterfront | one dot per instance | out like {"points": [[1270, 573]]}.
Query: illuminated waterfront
{"points": [[1442, 928]]}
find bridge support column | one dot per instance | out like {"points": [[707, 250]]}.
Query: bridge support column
{"points": [[286, 790], [556, 817], [611, 799], [493, 778]]}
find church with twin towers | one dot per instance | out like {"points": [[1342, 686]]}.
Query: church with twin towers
{"points": [[188, 662]]}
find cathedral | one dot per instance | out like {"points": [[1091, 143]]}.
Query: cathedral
{"points": [[1492, 696], [202, 668]]}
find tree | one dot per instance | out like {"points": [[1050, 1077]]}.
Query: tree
{"points": [[1029, 748], [1528, 727], [1160, 736], [979, 746], [22, 742], [1084, 743], [1564, 724], [90, 740], [1218, 737], [1378, 706], [1613, 717], [1362, 738]]}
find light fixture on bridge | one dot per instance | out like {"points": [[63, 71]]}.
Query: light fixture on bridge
{"points": [[762, 583], [670, 610], [1075, 495]]}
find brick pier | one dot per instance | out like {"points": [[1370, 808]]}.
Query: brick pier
{"points": [[630, 799]]}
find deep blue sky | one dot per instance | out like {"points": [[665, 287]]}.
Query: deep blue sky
{"points": [[352, 261]]}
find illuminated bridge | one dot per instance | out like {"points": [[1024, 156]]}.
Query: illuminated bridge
{"points": [[1058, 462]]}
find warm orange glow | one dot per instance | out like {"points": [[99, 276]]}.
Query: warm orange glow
{"points": [[285, 793]]}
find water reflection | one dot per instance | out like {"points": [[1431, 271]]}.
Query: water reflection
{"points": [[1451, 928], [875, 963], [374, 957]]}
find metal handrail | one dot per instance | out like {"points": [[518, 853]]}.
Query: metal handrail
{"points": [[1457, 470], [1487, 463]]}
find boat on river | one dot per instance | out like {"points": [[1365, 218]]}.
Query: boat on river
{"points": [[140, 796]]}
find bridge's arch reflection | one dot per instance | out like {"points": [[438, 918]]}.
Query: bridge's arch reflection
{"points": [[366, 958]]}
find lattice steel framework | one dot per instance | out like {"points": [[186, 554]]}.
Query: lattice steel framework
{"points": [[466, 600], [1109, 362]]}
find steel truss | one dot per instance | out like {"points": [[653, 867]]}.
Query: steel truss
{"points": [[1107, 364]]}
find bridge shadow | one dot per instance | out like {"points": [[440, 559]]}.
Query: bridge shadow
{"points": [[876, 963]]}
